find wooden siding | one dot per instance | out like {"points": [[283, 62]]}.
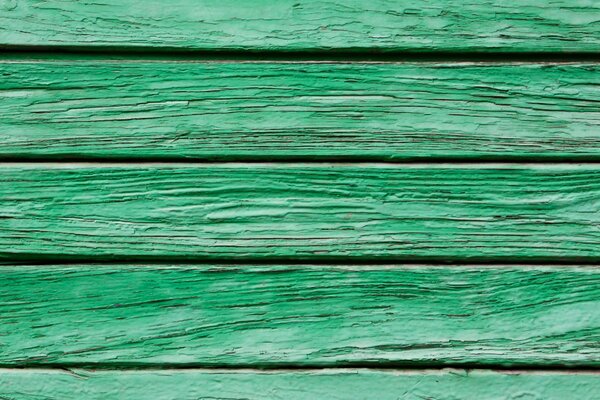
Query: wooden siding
{"points": [[375, 25], [305, 199], [244, 315], [416, 212], [311, 111]]}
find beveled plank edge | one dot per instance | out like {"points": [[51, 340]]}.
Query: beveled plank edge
{"points": [[342, 266], [541, 370], [413, 366], [323, 164], [19, 159], [298, 384]]}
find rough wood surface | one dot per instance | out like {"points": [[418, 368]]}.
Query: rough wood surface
{"points": [[446, 25], [268, 111], [477, 212], [296, 385], [299, 315]]}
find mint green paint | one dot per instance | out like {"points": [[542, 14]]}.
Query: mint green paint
{"points": [[446, 25], [170, 107], [296, 385], [277, 111], [419, 212], [244, 315]]}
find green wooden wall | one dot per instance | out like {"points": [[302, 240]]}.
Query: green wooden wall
{"points": [[305, 199]]}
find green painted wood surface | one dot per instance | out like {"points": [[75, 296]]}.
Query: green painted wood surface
{"points": [[274, 111], [299, 315], [477, 212], [447, 25], [296, 385], [163, 106]]}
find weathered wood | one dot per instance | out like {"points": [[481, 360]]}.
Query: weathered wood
{"points": [[299, 315], [481, 212], [267, 111], [297, 385], [446, 25]]}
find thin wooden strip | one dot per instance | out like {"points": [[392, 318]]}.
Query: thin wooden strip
{"points": [[439, 25], [489, 212], [296, 385], [278, 111], [299, 315]]}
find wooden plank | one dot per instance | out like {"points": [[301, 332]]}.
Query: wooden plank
{"points": [[266, 111], [477, 212], [248, 315], [297, 25], [296, 385]]}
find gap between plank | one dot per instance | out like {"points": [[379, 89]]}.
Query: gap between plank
{"points": [[278, 368], [330, 55], [317, 164], [340, 266], [339, 262]]}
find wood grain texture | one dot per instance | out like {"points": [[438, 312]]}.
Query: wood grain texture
{"points": [[299, 315], [477, 212], [447, 25], [272, 111], [296, 385]]}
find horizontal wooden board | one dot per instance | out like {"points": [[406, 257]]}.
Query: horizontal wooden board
{"points": [[299, 315], [479, 212], [443, 25], [296, 385], [267, 111]]}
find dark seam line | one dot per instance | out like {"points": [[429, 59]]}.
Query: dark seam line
{"points": [[350, 55], [529, 367], [308, 159], [39, 260]]}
